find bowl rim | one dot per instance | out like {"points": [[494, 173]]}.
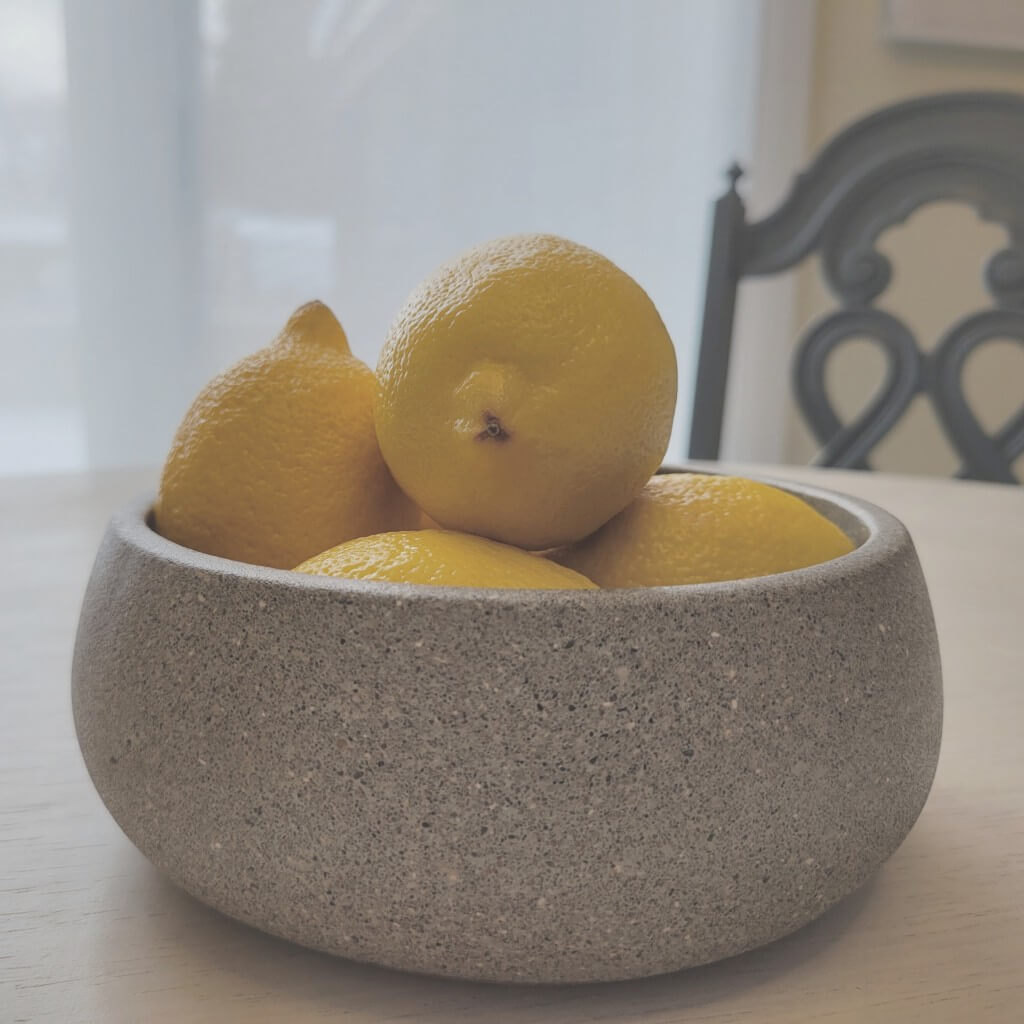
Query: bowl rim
{"points": [[884, 535]]}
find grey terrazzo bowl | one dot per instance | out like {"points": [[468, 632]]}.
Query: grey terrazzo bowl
{"points": [[512, 785]]}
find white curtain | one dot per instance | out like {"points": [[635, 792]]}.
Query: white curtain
{"points": [[177, 175]]}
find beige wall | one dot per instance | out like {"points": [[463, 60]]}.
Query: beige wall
{"points": [[937, 280]]}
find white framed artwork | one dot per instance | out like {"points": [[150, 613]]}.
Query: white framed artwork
{"points": [[993, 24]]}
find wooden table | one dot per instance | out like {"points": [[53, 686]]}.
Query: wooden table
{"points": [[90, 932]]}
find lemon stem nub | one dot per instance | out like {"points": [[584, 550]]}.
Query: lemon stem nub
{"points": [[493, 430]]}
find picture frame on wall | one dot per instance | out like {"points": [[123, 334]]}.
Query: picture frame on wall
{"points": [[988, 24]]}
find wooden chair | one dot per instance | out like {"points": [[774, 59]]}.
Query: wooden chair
{"points": [[958, 146]]}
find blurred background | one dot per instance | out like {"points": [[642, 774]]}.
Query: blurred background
{"points": [[176, 176]]}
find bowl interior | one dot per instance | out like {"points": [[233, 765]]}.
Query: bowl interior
{"points": [[859, 520]]}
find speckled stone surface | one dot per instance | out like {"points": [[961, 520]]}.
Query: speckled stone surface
{"points": [[517, 786]]}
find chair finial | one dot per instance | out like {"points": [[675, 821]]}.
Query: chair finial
{"points": [[734, 173]]}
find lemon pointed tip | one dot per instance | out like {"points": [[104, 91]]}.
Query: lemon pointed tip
{"points": [[314, 323]]}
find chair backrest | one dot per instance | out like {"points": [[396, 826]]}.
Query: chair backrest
{"points": [[967, 147]]}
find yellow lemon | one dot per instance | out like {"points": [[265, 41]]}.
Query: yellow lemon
{"points": [[526, 392], [697, 528], [277, 458], [443, 558]]}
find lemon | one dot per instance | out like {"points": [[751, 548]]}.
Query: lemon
{"points": [[442, 558], [526, 392], [277, 459], [697, 528]]}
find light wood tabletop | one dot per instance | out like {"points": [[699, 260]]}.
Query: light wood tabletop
{"points": [[90, 932]]}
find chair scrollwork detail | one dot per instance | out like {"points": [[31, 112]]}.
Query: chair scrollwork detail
{"points": [[850, 444], [954, 147], [909, 371], [985, 456], [1004, 276]]}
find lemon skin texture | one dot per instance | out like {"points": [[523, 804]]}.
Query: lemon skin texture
{"points": [[526, 392], [701, 528], [277, 459], [443, 558]]}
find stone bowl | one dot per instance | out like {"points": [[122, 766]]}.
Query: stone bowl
{"points": [[531, 786]]}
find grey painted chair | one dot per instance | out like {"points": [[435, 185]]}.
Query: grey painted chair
{"points": [[966, 147]]}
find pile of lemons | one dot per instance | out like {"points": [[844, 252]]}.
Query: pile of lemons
{"points": [[522, 403]]}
